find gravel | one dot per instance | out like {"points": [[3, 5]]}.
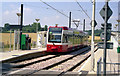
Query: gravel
{"points": [[44, 64], [33, 60]]}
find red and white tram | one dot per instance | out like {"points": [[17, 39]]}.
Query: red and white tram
{"points": [[63, 39]]}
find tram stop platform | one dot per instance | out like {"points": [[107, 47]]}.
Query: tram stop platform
{"points": [[111, 67], [17, 53]]}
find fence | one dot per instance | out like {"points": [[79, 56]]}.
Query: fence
{"points": [[99, 67], [1, 46], [112, 68]]}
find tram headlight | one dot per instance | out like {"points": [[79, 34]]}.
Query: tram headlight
{"points": [[59, 46]]}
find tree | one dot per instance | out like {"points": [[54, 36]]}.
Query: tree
{"points": [[39, 27], [45, 28], [6, 27], [97, 32], [34, 27]]}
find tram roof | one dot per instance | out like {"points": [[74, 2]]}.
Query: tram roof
{"points": [[66, 28]]}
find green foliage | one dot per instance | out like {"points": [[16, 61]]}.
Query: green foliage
{"points": [[46, 27], [31, 28], [39, 27], [89, 32], [6, 28], [96, 32]]}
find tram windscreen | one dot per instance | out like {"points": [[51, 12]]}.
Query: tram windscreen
{"points": [[55, 35], [54, 38]]}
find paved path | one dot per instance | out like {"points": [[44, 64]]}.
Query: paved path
{"points": [[112, 57], [15, 53]]}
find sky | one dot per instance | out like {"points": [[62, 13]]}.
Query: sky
{"points": [[50, 17]]}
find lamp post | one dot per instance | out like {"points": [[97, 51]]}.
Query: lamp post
{"points": [[18, 14], [118, 35], [118, 24], [18, 37], [37, 30], [92, 40]]}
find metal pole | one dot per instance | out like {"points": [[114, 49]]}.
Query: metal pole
{"points": [[92, 40], [37, 30], [118, 35], [37, 34], [10, 39], [18, 20], [70, 20], [37, 27], [84, 25], [105, 37], [18, 34], [21, 23], [14, 40], [18, 39]]}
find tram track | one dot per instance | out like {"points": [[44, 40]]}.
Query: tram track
{"points": [[27, 62], [57, 61], [75, 54], [77, 63], [33, 61]]}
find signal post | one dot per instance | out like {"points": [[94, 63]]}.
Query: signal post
{"points": [[105, 12]]}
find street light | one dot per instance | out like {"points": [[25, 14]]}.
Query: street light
{"points": [[118, 24], [18, 14], [37, 29], [18, 37], [37, 25], [115, 25]]}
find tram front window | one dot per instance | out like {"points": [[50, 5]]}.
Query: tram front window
{"points": [[54, 38]]}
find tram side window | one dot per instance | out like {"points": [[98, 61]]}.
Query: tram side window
{"points": [[65, 38], [70, 39], [81, 39]]}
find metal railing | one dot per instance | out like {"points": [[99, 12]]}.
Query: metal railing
{"points": [[99, 67], [112, 68], [1, 46]]}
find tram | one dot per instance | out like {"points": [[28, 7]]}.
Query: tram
{"points": [[64, 39]]}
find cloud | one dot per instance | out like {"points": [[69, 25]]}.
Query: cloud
{"points": [[25, 9], [51, 19], [6, 12], [9, 15], [28, 9], [10, 12], [114, 17], [57, 17]]}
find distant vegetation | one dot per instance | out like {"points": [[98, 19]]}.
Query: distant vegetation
{"points": [[97, 32], [31, 28]]}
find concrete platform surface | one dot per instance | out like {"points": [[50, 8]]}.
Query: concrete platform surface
{"points": [[112, 57], [16, 53]]}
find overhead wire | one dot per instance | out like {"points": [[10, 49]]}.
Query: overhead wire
{"points": [[65, 14], [83, 9], [54, 9], [57, 10]]}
